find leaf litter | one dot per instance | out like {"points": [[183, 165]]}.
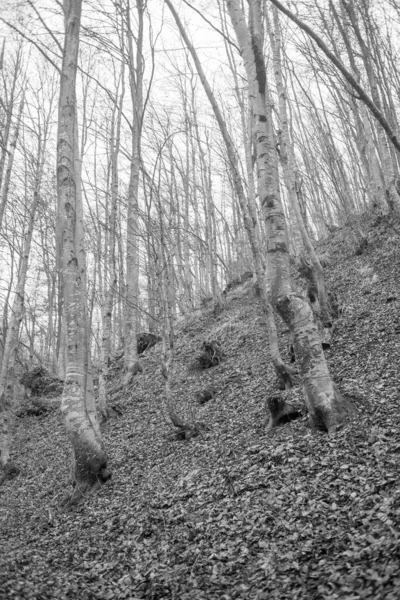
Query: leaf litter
{"points": [[237, 512]]}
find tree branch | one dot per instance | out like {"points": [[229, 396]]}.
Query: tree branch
{"points": [[45, 26], [346, 74], [212, 26], [28, 39]]}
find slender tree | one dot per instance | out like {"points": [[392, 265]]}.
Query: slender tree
{"points": [[11, 153], [248, 210], [112, 271], [136, 68], [363, 95], [311, 265], [90, 460], [8, 374], [325, 404]]}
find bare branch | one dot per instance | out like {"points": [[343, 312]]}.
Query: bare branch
{"points": [[346, 74], [45, 26], [38, 46], [213, 26]]}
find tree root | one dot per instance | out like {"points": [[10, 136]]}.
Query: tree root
{"points": [[187, 432], [281, 411], [109, 413], [9, 472], [207, 394], [86, 488], [285, 375], [131, 374], [326, 419], [211, 355]]}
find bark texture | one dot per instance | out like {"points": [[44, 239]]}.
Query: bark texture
{"points": [[289, 168], [248, 209], [108, 306], [90, 460], [323, 401], [131, 360]]}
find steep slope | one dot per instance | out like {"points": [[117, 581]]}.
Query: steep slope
{"points": [[237, 512]]}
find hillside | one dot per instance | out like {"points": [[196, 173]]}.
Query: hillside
{"points": [[237, 512]]}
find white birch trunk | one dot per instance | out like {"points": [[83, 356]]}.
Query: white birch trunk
{"points": [[249, 214], [90, 459], [112, 272], [131, 361], [324, 403], [289, 169]]}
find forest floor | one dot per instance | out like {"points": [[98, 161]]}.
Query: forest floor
{"points": [[239, 511]]}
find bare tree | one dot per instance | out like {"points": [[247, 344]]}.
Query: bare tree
{"points": [[7, 374], [90, 460], [325, 404], [369, 102], [115, 141], [136, 70], [311, 265], [248, 211]]}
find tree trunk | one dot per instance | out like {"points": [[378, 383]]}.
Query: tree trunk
{"points": [[9, 109], [112, 272], [7, 375], [386, 160], [325, 405], [131, 361], [284, 374], [165, 275], [90, 460], [13, 145], [289, 169], [213, 285]]}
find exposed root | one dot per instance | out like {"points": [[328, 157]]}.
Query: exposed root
{"points": [[188, 432], [8, 472], [137, 368], [281, 411], [84, 489], [329, 419], [285, 375], [292, 354], [146, 340], [211, 355], [361, 247], [207, 394], [108, 413], [131, 373], [42, 383]]}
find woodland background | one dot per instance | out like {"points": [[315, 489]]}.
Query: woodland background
{"points": [[342, 162], [159, 337]]}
